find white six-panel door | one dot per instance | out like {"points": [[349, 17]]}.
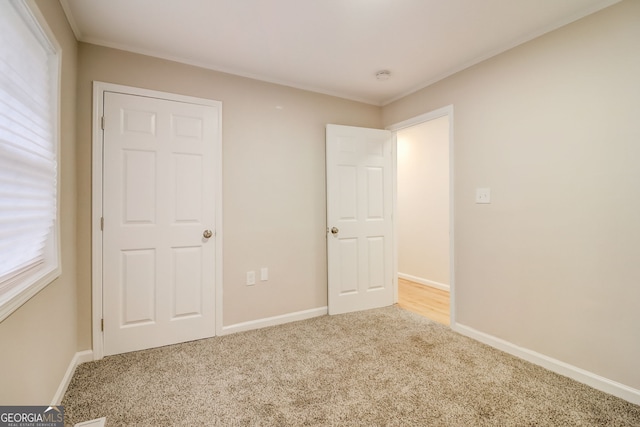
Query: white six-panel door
{"points": [[359, 222], [158, 203]]}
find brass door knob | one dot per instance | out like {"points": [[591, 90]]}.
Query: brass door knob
{"points": [[334, 230], [207, 233]]}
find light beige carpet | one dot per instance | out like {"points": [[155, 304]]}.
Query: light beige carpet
{"points": [[384, 367]]}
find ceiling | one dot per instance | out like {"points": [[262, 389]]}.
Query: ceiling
{"points": [[328, 46]]}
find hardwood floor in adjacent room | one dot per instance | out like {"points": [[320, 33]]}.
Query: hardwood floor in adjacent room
{"points": [[424, 300]]}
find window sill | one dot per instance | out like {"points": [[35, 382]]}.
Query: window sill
{"points": [[24, 293]]}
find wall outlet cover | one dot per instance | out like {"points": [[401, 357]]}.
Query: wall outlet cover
{"points": [[483, 195], [251, 278]]}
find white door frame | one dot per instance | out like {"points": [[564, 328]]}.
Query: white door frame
{"points": [[99, 88], [432, 115]]}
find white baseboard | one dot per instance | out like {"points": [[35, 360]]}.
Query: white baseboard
{"points": [[273, 321], [77, 359], [589, 378], [422, 281]]}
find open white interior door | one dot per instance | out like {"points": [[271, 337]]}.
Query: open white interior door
{"points": [[359, 221]]}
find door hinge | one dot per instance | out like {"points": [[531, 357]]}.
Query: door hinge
{"points": [[101, 223], [102, 122], [102, 325]]}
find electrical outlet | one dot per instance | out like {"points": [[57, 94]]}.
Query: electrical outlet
{"points": [[251, 278], [264, 274], [483, 195]]}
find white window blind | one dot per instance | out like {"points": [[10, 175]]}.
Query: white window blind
{"points": [[28, 163]]}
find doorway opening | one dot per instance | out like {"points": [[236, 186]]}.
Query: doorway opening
{"points": [[424, 215]]}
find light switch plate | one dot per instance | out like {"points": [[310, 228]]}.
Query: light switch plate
{"points": [[483, 195]]}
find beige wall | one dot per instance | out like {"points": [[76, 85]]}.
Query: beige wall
{"points": [[273, 178], [423, 201], [39, 339], [553, 128]]}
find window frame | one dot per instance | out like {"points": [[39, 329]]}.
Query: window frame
{"points": [[52, 267]]}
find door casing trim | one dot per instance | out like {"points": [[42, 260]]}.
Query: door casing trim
{"points": [[99, 88]]}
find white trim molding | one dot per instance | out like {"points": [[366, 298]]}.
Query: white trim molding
{"points": [[583, 376], [425, 282], [77, 359], [275, 320], [432, 115]]}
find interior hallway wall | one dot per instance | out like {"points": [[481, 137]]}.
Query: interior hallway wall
{"points": [[423, 202], [552, 128]]}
